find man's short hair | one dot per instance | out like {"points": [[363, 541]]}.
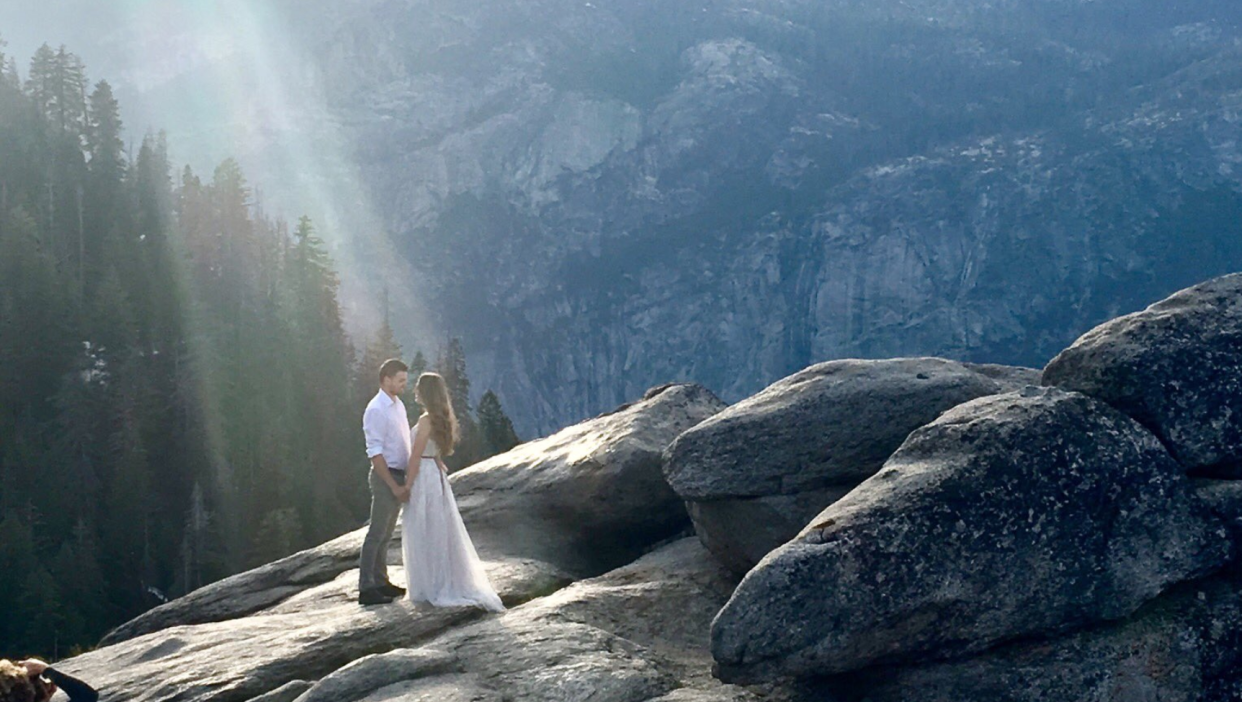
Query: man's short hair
{"points": [[392, 367]]}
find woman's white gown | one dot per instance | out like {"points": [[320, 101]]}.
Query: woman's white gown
{"points": [[441, 565]]}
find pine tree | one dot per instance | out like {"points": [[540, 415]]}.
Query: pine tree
{"points": [[41, 80], [57, 82], [69, 92], [35, 337], [495, 428], [315, 286], [125, 528], [232, 196], [103, 136], [8, 84], [17, 557], [44, 626], [194, 544], [382, 347], [33, 618], [418, 366], [278, 535], [65, 573], [452, 366], [147, 330], [85, 585], [323, 354], [9, 76]]}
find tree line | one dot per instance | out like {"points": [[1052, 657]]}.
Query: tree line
{"points": [[179, 400]]}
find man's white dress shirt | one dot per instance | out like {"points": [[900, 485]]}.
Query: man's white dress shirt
{"points": [[387, 429]]}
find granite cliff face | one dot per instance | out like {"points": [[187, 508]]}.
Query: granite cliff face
{"points": [[603, 196], [600, 196]]}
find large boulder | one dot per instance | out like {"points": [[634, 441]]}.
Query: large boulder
{"points": [[591, 497], [635, 634], [313, 634], [754, 474], [1183, 646], [1021, 514], [586, 499], [1176, 367], [250, 591]]}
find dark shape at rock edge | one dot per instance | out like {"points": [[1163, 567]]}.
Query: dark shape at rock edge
{"points": [[740, 532]]}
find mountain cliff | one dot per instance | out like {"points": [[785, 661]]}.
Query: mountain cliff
{"points": [[603, 196], [599, 197]]}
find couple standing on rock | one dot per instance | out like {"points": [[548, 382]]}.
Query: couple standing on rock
{"points": [[441, 565]]}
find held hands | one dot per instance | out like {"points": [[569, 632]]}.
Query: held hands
{"points": [[401, 492]]}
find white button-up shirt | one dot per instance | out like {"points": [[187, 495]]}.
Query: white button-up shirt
{"points": [[387, 429]]}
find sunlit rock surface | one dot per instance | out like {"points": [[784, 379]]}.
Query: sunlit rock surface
{"points": [[586, 500], [591, 497]]}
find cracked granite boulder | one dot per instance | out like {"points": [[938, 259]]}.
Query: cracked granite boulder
{"points": [[1021, 514], [753, 475]]}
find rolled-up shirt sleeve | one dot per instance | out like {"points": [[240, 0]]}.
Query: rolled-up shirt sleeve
{"points": [[373, 427]]}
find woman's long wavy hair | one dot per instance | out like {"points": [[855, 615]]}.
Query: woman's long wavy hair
{"points": [[16, 685], [435, 400]]}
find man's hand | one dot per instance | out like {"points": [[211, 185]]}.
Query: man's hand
{"points": [[399, 492], [34, 666]]}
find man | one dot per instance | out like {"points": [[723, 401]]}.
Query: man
{"points": [[387, 430]]}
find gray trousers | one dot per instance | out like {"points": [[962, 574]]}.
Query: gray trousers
{"points": [[373, 563]]}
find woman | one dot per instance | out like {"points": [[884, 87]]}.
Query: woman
{"points": [[34, 681], [441, 565]]}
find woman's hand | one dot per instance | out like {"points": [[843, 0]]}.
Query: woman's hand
{"points": [[34, 666]]}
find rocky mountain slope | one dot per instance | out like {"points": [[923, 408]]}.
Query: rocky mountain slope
{"points": [[602, 196], [1078, 540]]}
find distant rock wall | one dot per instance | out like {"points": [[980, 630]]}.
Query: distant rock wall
{"points": [[602, 197]]}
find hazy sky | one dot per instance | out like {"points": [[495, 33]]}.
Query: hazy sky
{"points": [[84, 27]]}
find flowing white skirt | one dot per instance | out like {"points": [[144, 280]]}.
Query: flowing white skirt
{"points": [[441, 565]]}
